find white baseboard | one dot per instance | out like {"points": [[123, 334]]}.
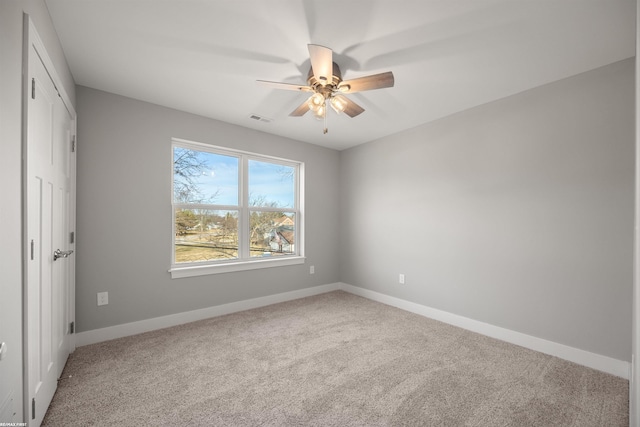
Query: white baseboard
{"points": [[133, 328], [606, 364], [592, 360]]}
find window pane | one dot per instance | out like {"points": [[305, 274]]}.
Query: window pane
{"points": [[271, 185], [205, 235], [272, 233], [202, 177]]}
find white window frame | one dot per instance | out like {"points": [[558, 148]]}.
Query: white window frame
{"points": [[244, 260]]}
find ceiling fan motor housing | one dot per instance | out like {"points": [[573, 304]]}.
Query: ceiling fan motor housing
{"points": [[325, 87]]}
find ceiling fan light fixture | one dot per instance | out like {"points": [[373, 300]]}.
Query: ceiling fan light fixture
{"points": [[338, 103], [320, 112], [316, 101]]}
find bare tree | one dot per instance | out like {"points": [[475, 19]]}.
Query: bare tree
{"points": [[185, 221], [187, 166], [261, 223], [229, 228]]}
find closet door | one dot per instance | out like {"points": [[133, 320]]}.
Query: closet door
{"points": [[49, 288]]}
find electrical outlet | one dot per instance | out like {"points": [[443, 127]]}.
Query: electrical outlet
{"points": [[312, 270], [401, 279], [103, 298]]}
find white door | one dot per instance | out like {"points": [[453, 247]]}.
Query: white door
{"points": [[49, 290]]}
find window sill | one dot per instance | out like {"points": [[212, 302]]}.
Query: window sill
{"points": [[203, 270]]}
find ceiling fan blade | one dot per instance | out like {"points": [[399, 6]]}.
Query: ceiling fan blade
{"points": [[301, 110], [352, 109], [321, 63], [376, 81], [285, 86]]}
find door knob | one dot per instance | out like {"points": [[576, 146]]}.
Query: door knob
{"points": [[61, 254]]}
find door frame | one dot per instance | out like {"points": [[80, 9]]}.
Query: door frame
{"points": [[31, 39]]}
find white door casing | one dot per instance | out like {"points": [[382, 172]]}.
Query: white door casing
{"points": [[49, 185]]}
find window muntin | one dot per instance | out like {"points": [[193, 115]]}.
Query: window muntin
{"points": [[233, 207]]}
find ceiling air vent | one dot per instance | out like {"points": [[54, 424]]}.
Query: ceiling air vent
{"points": [[260, 118]]}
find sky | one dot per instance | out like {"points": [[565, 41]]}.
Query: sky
{"points": [[267, 181]]}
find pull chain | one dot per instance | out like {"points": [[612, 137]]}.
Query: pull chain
{"points": [[325, 118]]}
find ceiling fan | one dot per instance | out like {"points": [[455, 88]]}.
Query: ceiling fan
{"points": [[325, 82]]}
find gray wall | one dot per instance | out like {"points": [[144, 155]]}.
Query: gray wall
{"points": [[11, 27], [124, 213], [518, 213]]}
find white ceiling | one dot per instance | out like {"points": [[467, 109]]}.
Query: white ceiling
{"points": [[203, 56]]}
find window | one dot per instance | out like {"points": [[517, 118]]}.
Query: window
{"points": [[233, 210]]}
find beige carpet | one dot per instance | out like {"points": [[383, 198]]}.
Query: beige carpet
{"points": [[329, 360]]}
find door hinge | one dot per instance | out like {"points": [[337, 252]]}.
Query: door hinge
{"points": [[33, 88], [72, 237], [72, 327], [33, 408], [73, 144], [32, 249]]}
